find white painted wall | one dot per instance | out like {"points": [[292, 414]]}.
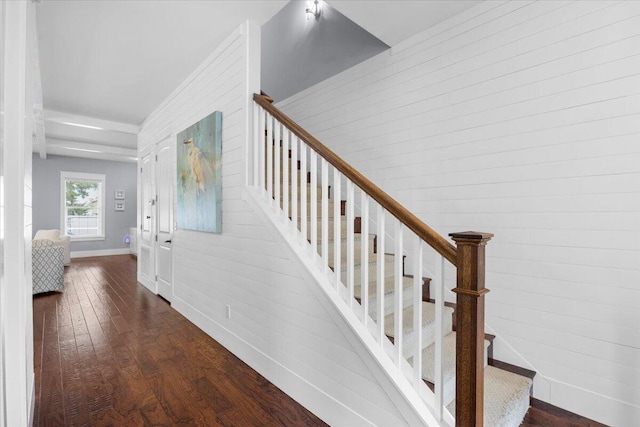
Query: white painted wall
{"points": [[19, 56], [280, 322], [522, 119]]}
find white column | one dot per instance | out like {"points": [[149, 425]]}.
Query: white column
{"points": [[16, 333]]}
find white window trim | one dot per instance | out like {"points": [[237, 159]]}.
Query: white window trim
{"points": [[64, 175]]}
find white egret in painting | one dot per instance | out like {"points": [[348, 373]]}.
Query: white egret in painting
{"points": [[199, 178], [197, 165]]}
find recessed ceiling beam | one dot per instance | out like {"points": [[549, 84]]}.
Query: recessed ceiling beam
{"points": [[89, 122]]}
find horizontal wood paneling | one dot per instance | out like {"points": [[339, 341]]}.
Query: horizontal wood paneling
{"points": [[273, 309], [521, 119]]}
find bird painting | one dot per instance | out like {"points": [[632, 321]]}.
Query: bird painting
{"points": [[199, 188], [197, 163]]}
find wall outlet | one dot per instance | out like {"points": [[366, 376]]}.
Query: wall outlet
{"points": [[228, 311]]}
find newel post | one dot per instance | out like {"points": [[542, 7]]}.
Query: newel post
{"points": [[470, 292]]}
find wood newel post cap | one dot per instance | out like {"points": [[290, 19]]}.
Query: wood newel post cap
{"points": [[471, 237]]}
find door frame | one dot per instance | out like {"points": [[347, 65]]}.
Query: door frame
{"points": [[147, 280]]}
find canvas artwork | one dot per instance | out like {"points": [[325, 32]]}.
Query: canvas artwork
{"points": [[199, 175]]}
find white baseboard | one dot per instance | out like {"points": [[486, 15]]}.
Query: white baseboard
{"points": [[32, 406], [315, 400], [103, 252]]}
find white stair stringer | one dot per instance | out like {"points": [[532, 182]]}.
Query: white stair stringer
{"points": [[418, 399]]}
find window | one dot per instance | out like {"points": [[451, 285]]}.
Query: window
{"points": [[82, 205]]}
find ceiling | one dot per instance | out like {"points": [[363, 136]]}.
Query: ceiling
{"points": [[108, 64]]}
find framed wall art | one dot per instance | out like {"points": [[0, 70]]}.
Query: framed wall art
{"points": [[199, 185]]}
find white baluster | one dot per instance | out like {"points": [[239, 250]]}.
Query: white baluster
{"points": [[304, 210], [324, 171], [294, 181], [350, 255], [337, 225], [270, 158], [380, 282], [256, 142], [286, 137], [276, 168], [364, 256], [262, 157], [439, 337], [313, 159], [417, 312], [398, 305]]}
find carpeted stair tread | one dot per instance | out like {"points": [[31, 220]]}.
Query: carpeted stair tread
{"points": [[308, 210], [330, 223], [448, 363], [318, 193], [389, 287], [371, 267], [506, 398], [428, 326], [357, 247]]}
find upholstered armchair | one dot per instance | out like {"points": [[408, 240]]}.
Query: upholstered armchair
{"points": [[58, 240], [47, 266]]}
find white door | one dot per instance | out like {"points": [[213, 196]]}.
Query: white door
{"points": [[146, 256], [165, 177]]}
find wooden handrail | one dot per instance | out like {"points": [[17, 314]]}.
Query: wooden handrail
{"points": [[422, 230]]}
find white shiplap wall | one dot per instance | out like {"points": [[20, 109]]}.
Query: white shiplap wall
{"points": [[522, 119], [279, 324]]}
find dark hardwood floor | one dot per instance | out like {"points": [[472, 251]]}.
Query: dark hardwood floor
{"points": [[110, 353]]}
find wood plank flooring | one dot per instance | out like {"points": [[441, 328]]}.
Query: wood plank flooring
{"points": [[110, 353]]}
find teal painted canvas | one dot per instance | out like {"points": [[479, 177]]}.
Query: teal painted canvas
{"points": [[199, 175]]}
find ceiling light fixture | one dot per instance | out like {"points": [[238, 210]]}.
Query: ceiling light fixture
{"points": [[82, 126], [313, 8]]}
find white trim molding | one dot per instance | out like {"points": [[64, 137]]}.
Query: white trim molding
{"points": [[100, 252]]}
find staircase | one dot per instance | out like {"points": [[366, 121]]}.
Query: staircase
{"points": [[366, 253]]}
